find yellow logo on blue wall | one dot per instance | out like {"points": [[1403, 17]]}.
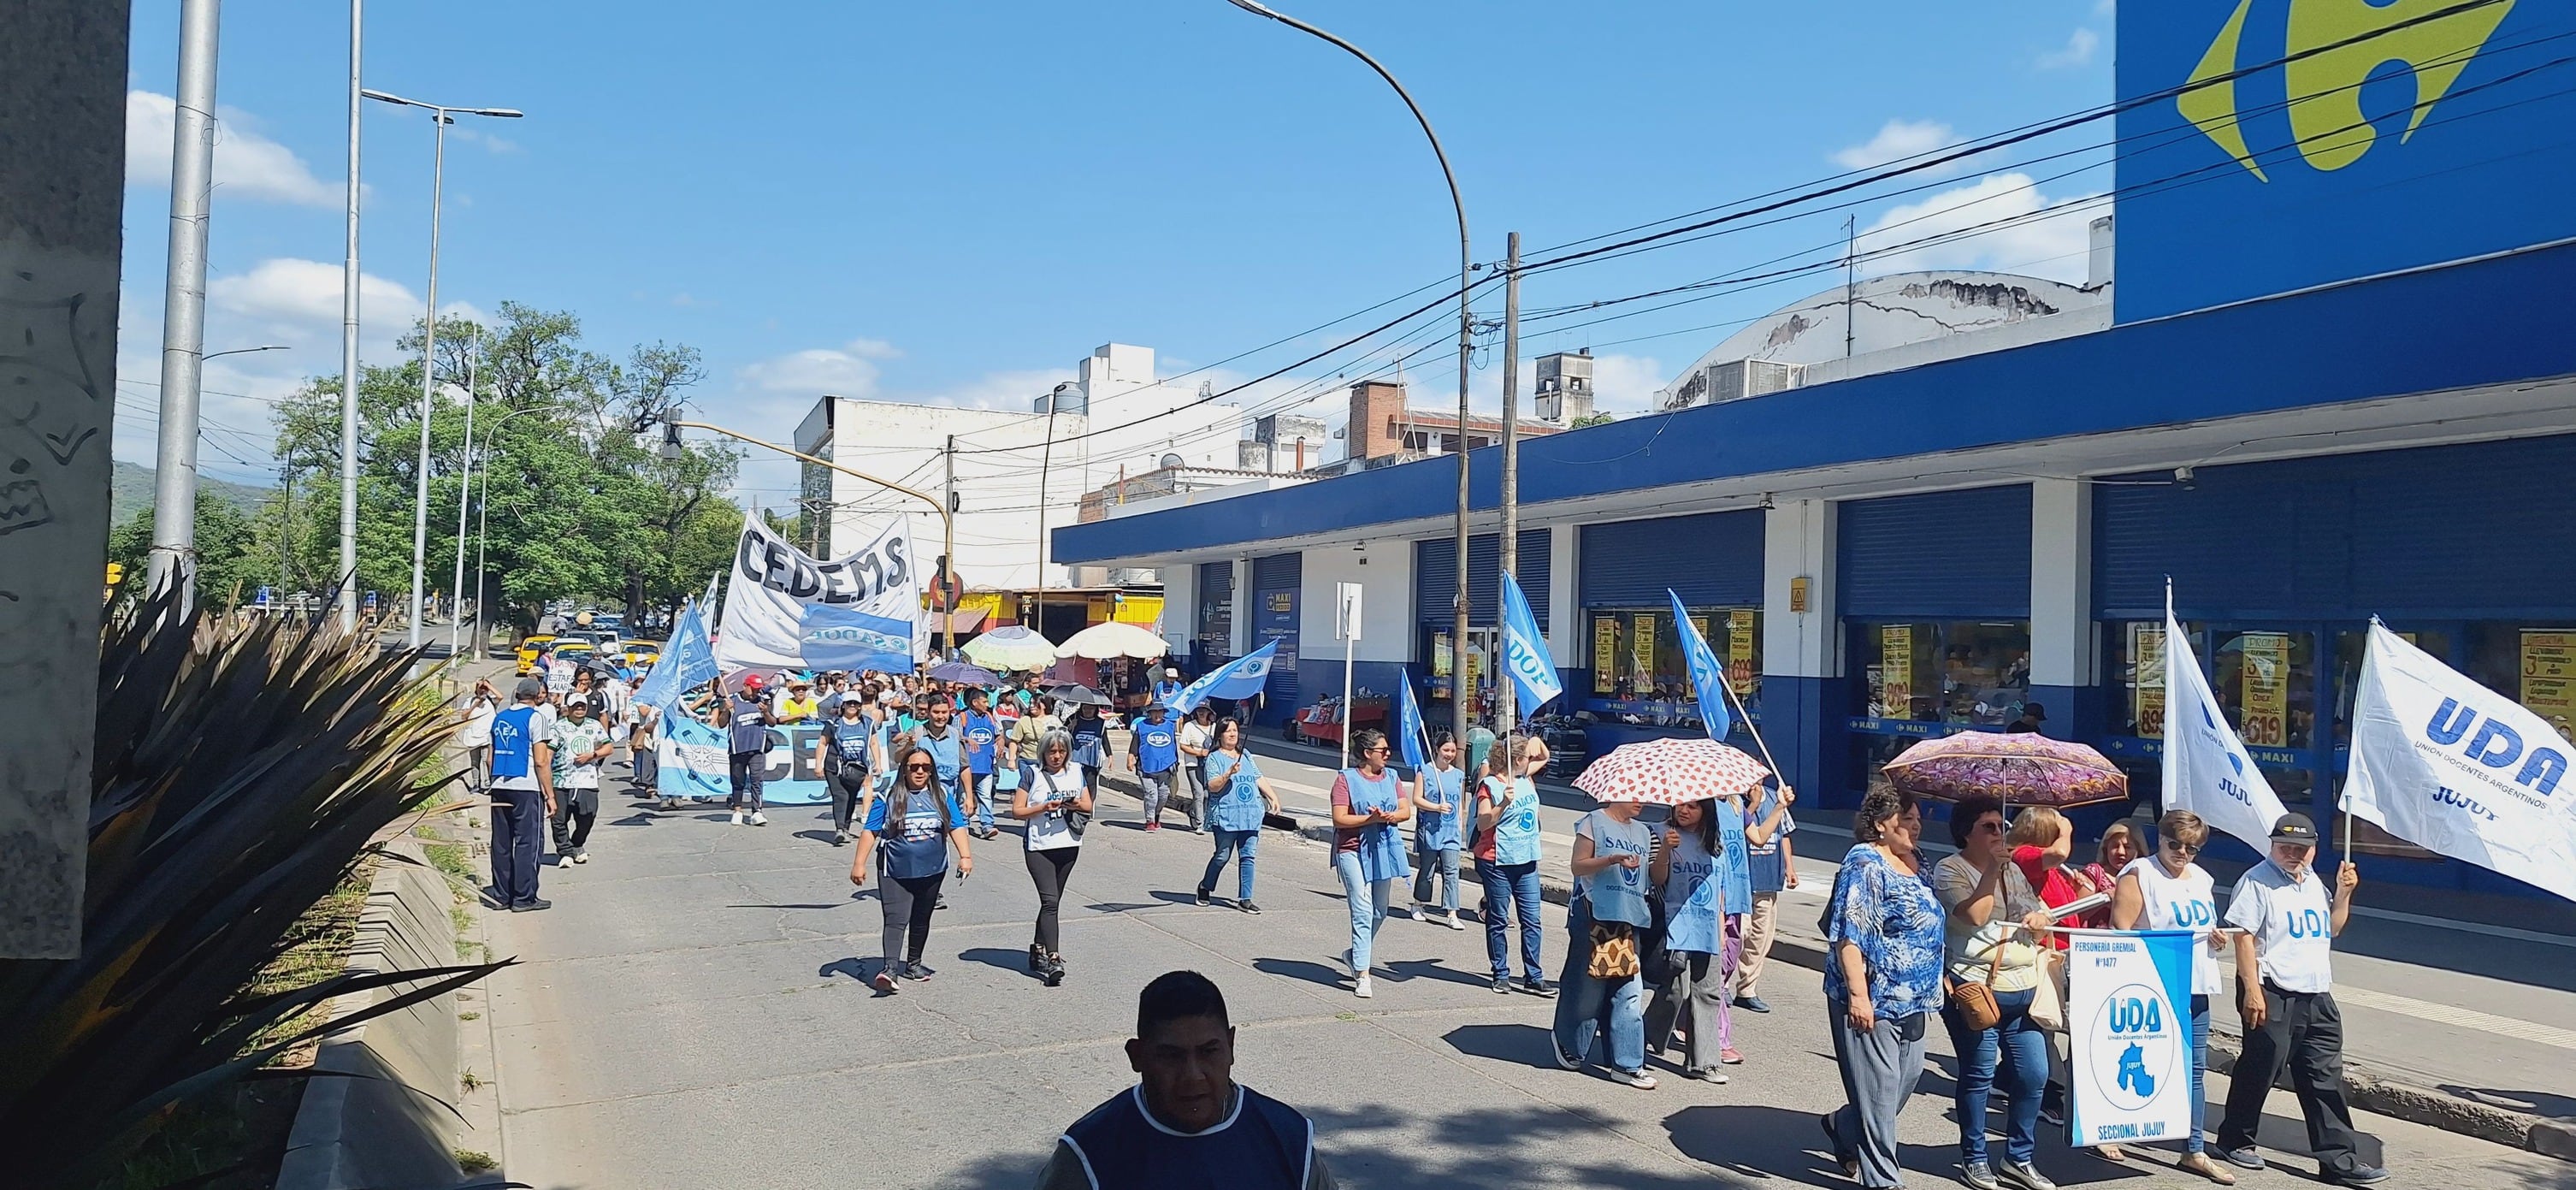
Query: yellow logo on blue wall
{"points": [[2324, 84]]}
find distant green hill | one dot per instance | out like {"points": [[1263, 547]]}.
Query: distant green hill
{"points": [[131, 491]]}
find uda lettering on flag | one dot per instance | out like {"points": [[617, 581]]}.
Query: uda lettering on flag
{"points": [[2451, 766], [1525, 651], [2206, 768]]}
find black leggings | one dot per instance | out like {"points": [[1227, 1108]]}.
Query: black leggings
{"points": [[849, 784], [1050, 870], [907, 911]]}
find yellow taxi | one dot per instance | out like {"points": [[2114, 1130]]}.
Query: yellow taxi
{"points": [[528, 652], [641, 653]]}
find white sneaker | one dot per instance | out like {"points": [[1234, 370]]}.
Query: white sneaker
{"points": [[1363, 991], [1451, 921], [737, 818], [581, 857], [759, 819]]}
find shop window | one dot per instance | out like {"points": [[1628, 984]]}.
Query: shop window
{"points": [[2134, 667], [2534, 664], [2266, 685], [1636, 654], [1965, 673]]}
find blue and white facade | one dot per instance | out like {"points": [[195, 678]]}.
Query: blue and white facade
{"points": [[2323, 392]]}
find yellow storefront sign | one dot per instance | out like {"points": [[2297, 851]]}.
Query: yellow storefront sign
{"points": [[2147, 680], [2264, 684], [2549, 678], [1643, 646], [1896, 669], [1739, 650], [1605, 654]]}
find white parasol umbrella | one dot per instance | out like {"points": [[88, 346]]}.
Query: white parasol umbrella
{"points": [[1010, 647], [1101, 642]]}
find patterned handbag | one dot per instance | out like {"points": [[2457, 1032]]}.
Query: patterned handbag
{"points": [[1614, 950]]}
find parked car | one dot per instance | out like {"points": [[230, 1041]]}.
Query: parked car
{"points": [[528, 651]]}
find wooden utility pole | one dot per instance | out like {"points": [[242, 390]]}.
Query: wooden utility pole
{"points": [[1510, 543]]}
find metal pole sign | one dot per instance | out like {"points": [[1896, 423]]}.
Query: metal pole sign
{"points": [[1346, 624]]}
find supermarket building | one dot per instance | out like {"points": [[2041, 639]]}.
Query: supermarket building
{"points": [[2326, 385]]}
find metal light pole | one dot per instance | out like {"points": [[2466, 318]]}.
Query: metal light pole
{"points": [[1504, 695], [947, 519], [1466, 348], [183, 307], [440, 117], [346, 592]]}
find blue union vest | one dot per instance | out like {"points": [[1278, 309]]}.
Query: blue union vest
{"points": [[1263, 1145]]}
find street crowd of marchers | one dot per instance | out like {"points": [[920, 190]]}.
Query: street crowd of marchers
{"points": [[1669, 927]]}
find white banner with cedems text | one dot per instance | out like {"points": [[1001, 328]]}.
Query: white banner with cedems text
{"points": [[2128, 1028], [785, 610], [2453, 767]]}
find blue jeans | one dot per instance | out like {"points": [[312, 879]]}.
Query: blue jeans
{"points": [[2199, 1070], [1368, 901], [1443, 861], [1582, 999], [981, 806], [1507, 886], [2012, 1056], [1238, 843]]}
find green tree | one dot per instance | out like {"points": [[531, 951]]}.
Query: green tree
{"points": [[229, 569], [1592, 419]]}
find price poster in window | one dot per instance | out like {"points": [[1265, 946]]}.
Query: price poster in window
{"points": [[2549, 678], [1644, 646], [1739, 650], [2147, 677], [1605, 654], [1896, 669], [2264, 683]]}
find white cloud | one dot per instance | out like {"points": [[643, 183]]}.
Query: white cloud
{"points": [[1625, 384], [1896, 141], [2048, 239], [846, 371], [289, 294], [2078, 51], [247, 165]]}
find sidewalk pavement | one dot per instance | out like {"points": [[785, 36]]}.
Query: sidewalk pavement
{"points": [[2463, 1024]]}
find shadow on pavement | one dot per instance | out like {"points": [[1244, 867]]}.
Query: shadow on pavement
{"points": [[1014, 961], [1752, 1141], [1311, 972], [1524, 1045], [1412, 969]]}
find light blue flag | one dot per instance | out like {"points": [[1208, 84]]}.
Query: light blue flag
{"points": [[1707, 676], [1525, 651], [1408, 724], [1242, 677], [688, 661]]}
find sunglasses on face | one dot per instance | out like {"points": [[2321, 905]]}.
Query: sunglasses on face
{"points": [[1380, 750], [2179, 847], [1990, 828], [918, 768]]}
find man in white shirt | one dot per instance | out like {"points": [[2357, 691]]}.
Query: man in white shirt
{"points": [[2285, 994], [1198, 737]]}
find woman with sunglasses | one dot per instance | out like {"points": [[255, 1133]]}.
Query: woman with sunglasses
{"points": [[1054, 805], [1991, 913], [1367, 852], [2169, 891], [919, 820], [1437, 788], [1506, 851]]}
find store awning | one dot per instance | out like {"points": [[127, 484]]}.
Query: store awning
{"points": [[959, 623]]}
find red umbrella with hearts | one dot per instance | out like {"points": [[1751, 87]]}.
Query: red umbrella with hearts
{"points": [[1670, 772]]}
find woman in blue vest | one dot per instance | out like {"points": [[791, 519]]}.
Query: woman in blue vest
{"points": [[1687, 877], [1438, 806], [1368, 852], [919, 820], [1506, 850], [1238, 797]]}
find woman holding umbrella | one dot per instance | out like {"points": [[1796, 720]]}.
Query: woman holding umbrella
{"points": [[1603, 924], [1367, 853], [1685, 871], [1993, 918]]}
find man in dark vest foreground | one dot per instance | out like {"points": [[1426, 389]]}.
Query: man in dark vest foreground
{"points": [[1186, 1125]]}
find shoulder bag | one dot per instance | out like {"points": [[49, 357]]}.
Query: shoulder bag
{"points": [[1975, 1002]]}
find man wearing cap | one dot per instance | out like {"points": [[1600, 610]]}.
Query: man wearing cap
{"points": [[744, 718], [523, 797], [1169, 689], [1153, 750], [2032, 715], [2285, 982], [1197, 739]]}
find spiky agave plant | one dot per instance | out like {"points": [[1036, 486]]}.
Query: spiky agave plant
{"points": [[242, 771]]}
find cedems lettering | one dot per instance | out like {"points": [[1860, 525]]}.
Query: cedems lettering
{"points": [[769, 562]]}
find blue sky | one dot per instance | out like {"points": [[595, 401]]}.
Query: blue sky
{"points": [[956, 202]]}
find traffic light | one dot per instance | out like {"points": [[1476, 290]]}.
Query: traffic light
{"points": [[115, 574]]}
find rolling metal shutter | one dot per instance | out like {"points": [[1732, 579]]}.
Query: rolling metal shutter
{"points": [[1435, 577], [1964, 554], [1272, 577], [1711, 560], [2474, 531]]}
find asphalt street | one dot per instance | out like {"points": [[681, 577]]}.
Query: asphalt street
{"points": [[693, 1013]]}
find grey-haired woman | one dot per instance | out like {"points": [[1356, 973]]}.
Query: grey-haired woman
{"points": [[1053, 804]]}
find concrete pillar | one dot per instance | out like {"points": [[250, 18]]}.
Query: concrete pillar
{"points": [[62, 114], [1803, 689], [1180, 605], [1242, 642], [2065, 663], [1564, 595]]}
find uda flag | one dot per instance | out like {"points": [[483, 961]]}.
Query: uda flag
{"points": [[2128, 1026], [2206, 768], [1408, 724], [1525, 651], [2449, 765], [1707, 679], [688, 662], [1242, 677]]}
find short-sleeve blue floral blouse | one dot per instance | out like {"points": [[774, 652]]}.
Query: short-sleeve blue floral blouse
{"points": [[1895, 922]]}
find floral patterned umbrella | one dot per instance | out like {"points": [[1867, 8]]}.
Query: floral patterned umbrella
{"points": [[2025, 768], [1670, 772]]}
